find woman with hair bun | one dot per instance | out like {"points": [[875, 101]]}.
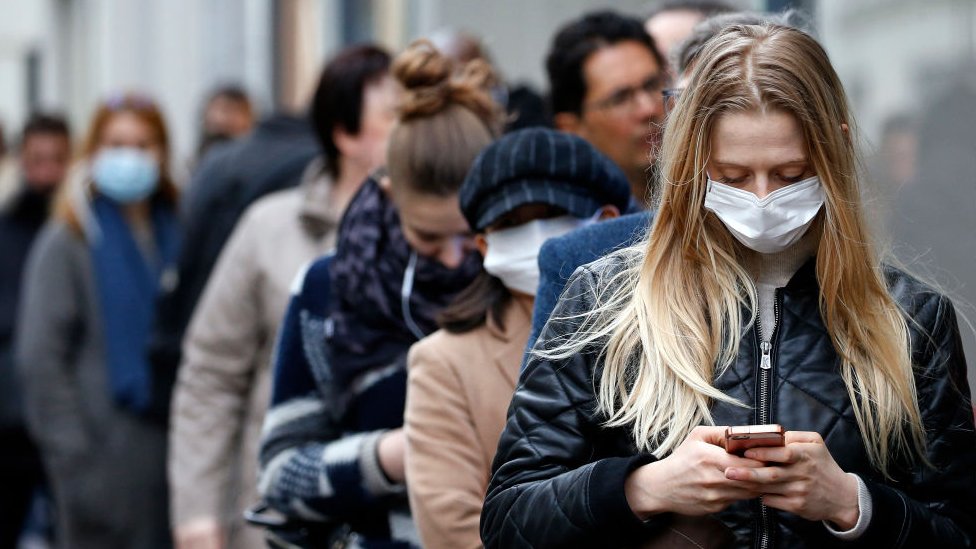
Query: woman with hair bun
{"points": [[757, 298], [333, 448]]}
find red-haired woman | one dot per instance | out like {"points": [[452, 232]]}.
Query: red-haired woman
{"points": [[87, 309]]}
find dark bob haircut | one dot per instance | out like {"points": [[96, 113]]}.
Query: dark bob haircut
{"points": [[338, 100]]}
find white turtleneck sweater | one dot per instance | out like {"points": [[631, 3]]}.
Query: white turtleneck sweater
{"points": [[772, 271]]}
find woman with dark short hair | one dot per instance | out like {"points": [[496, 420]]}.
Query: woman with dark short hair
{"points": [[224, 382]]}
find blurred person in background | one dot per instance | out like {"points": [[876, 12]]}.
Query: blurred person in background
{"points": [[272, 157], [90, 288], [528, 186], [606, 78], [933, 222], [8, 170], [524, 107], [897, 161], [893, 169], [227, 114], [332, 450], [223, 387], [670, 22], [45, 150]]}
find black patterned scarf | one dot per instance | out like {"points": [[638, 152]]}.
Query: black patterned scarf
{"points": [[367, 314]]}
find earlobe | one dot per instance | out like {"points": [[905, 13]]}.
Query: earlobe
{"points": [[386, 185], [481, 243], [609, 211], [343, 141]]}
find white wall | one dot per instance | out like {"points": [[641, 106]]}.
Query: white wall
{"points": [[517, 33], [21, 29], [173, 50], [892, 54]]}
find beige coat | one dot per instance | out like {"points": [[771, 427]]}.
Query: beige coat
{"points": [[223, 389], [458, 393]]}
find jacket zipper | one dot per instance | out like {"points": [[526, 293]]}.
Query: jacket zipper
{"points": [[765, 396]]}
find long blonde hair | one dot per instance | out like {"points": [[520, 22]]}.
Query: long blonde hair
{"points": [[674, 315]]}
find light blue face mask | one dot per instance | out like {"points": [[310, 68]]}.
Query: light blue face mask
{"points": [[125, 174]]}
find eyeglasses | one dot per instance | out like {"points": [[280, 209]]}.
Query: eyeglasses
{"points": [[671, 96], [624, 100]]}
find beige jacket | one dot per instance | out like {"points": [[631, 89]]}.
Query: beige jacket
{"points": [[458, 393], [223, 388]]}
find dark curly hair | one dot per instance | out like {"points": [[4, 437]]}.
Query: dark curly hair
{"points": [[574, 44]]}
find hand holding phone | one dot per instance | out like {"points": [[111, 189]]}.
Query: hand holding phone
{"points": [[740, 438]]}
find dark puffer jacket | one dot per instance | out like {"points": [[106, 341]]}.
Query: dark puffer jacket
{"points": [[558, 478]]}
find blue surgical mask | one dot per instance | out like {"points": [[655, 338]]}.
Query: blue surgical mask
{"points": [[125, 174]]}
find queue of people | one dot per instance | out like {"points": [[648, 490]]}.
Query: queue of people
{"points": [[406, 319]]}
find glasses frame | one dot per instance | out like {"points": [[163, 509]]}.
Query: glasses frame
{"points": [[671, 96], [624, 99]]}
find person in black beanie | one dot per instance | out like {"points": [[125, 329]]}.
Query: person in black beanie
{"points": [[45, 150], [529, 186]]}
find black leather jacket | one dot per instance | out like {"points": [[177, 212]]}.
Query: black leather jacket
{"points": [[558, 477]]}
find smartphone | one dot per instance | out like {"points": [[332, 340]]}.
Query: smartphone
{"points": [[741, 438]]}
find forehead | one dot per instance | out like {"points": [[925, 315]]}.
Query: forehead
{"points": [[757, 139], [435, 215], [45, 140], [381, 95], [125, 124], [616, 66]]}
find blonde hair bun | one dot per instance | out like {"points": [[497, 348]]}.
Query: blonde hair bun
{"points": [[433, 82]]}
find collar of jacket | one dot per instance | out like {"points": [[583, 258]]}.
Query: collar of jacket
{"points": [[516, 319], [805, 278], [317, 213]]}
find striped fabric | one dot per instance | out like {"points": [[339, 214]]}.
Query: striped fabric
{"points": [[539, 165], [314, 465]]}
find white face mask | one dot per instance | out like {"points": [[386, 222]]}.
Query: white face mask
{"points": [[513, 253], [769, 225]]}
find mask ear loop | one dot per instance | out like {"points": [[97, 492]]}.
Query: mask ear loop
{"points": [[405, 291]]}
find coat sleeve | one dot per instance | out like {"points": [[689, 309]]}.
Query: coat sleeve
{"points": [[936, 507], [446, 466], [49, 329], [552, 486], [309, 467], [220, 355]]}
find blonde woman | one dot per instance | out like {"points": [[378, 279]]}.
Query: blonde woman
{"points": [[757, 298]]}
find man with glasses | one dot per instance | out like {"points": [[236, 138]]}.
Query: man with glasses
{"points": [[560, 256], [606, 79]]}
